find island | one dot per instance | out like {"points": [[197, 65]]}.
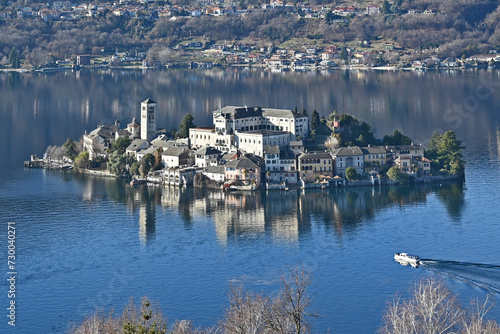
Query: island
{"points": [[250, 148]]}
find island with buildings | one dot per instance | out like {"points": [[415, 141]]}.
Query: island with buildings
{"points": [[249, 148]]}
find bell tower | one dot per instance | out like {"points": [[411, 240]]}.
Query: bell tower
{"points": [[148, 119]]}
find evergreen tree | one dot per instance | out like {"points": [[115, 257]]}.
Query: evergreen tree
{"points": [[186, 124], [117, 162], [386, 8], [450, 153], [120, 145], [147, 163], [343, 53], [71, 148], [314, 119]]}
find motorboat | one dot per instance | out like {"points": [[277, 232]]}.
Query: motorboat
{"points": [[136, 182], [407, 259]]}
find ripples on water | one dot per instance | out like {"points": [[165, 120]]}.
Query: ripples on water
{"points": [[183, 248]]}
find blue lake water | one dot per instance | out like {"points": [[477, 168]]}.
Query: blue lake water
{"points": [[85, 243]]}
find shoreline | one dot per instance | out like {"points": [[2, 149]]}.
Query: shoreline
{"points": [[244, 66], [339, 183]]}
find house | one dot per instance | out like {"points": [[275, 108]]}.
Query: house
{"points": [[176, 176], [207, 156], [215, 173], [245, 170], [135, 146], [277, 159], [404, 162], [374, 158], [370, 10], [346, 157], [254, 142], [83, 60], [412, 150], [99, 140], [296, 146], [150, 150], [281, 165], [176, 157], [311, 165], [423, 164]]}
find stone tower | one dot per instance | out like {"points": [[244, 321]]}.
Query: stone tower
{"points": [[148, 119]]}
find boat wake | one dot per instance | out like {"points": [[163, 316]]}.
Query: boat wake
{"points": [[484, 276]]}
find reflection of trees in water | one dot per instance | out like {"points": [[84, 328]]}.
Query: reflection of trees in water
{"points": [[452, 197], [283, 214]]}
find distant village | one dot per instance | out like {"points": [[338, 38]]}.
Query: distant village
{"points": [[256, 53], [248, 148]]}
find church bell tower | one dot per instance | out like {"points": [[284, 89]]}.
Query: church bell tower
{"points": [[148, 119]]}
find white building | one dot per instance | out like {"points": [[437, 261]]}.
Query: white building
{"points": [[148, 119], [250, 129], [345, 157]]}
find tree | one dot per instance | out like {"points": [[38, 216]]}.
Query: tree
{"points": [[351, 174], [120, 145], [72, 150], [343, 53], [186, 124], [450, 153], [394, 173], [396, 139], [432, 308], [117, 163], [134, 169], [434, 143], [445, 151], [314, 120], [386, 8], [82, 161], [147, 163]]}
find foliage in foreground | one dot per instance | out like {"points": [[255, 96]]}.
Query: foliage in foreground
{"points": [[247, 312], [430, 308]]}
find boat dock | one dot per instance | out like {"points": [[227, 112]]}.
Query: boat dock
{"points": [[36, 162]]}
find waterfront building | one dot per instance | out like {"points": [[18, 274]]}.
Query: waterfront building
{"points": [[207, 156], [313, 164], [280, 165], [148, 119], [99, 140], [177, 156], [375, 157], [345, 157], [244, 170], [215, 173]]}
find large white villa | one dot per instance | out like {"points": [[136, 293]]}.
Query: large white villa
{"points": [[250, 129]]}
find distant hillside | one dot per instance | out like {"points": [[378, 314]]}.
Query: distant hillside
{"points": [[447, 27]]}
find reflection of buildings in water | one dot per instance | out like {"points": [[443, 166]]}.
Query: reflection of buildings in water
{"points": [[147, 221], [497, 151], [241, 214], [282, 216]]}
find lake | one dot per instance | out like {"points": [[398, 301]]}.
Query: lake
{"points": [[86, 243]]}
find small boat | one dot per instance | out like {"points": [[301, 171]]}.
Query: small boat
{"points": [[136, 182], [407, 259]]}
